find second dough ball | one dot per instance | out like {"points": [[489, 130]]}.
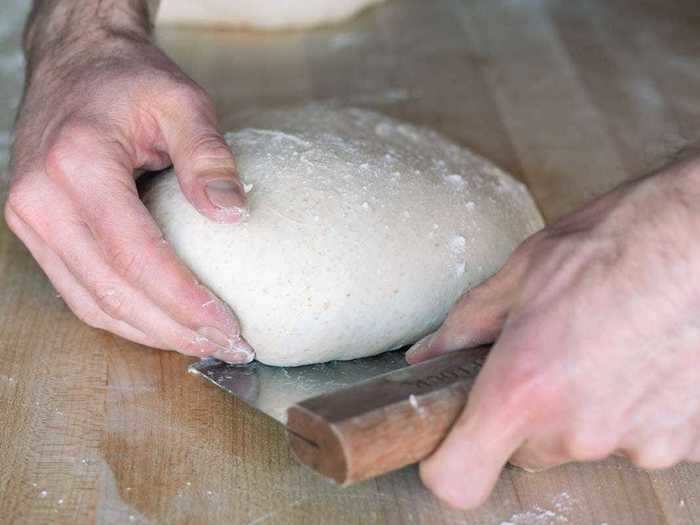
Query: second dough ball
{"points": [[259, 14]]}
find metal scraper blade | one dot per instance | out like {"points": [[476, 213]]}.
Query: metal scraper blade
{"points": [[272, 390]]}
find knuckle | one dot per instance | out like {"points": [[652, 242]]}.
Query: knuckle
{"points": [[132, 262], [190, 95], [208, 152], [90, 316], [654, 456], [531, 388], [11, 218], [588, 446], [20, 204], [13, 210], [69, 145], [129, 263], [209, 145], [112, 302]]}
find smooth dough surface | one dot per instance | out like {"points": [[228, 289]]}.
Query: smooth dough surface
{"points": [[259, 14], [363, 231]]}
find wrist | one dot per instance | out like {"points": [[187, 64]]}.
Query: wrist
{"points": [[61, 34], [74, 77], [60, 57]]}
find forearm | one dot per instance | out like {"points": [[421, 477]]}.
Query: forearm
{"points": [[57, 28]]}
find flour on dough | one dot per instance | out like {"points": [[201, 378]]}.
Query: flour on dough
{"points": [[259, 14], [363, 231]]}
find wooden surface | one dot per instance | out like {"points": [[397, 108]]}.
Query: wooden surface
{"points": [[572, 97]]}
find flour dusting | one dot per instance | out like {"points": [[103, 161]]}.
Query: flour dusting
{"points": [[455, 181], [368, 203], [560, 511]]}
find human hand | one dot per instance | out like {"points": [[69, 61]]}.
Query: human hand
{"points": [[92, 116], [597, 347]]}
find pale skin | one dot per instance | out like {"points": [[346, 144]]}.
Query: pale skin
{"points": [[595, 319], [102, 102], [597, 343]]}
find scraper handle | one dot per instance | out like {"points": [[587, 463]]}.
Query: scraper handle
{"points": [[385, 423]]}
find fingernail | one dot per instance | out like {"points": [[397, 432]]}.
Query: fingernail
{"points": [[414, 353], [226, 194], [230, 349], [234, 358], [239, 352]]}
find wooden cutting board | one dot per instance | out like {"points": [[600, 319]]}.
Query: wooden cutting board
{"points": [[572, 97]]}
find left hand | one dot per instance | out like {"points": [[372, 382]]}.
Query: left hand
{"points": [[597, 327], [97, 111]]}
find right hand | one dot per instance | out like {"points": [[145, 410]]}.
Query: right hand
{"points": [[597, 343], [89, 120]]}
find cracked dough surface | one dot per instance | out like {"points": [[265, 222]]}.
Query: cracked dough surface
{"points": [[363, 231]]}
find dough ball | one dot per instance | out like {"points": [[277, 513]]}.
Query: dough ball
{"points": [[363, 231], [259, 14]]}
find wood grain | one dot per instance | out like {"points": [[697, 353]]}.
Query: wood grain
{"points": [[377, 426], [572, 97]]}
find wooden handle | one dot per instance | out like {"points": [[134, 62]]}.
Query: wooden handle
{"points": [[385, 423]]}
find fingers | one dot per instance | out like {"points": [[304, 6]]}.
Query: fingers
{"points": [[203, 162], [510, 397], [117, 252], [651, 447], [539, 455], [123, 302], [97, 241], [474, 320], [133, 295], [478, 316], [113, 303], [75, 295], [467, 464]]}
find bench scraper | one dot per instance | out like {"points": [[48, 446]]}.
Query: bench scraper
{"points": [[354, 420]]}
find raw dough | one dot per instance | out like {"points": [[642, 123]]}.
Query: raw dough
{"points": [[259, 14], [363, 231]]}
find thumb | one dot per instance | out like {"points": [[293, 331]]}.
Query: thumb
{"points": [[478, 316], [204, 164], [467, 464], [474, 320]]}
